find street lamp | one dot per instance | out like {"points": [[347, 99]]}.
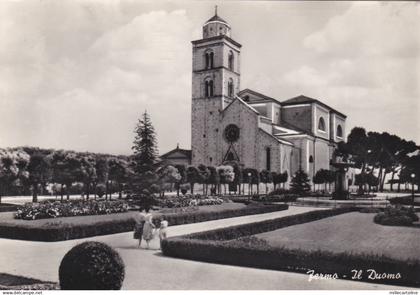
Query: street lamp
{"points": [[412, 189]]}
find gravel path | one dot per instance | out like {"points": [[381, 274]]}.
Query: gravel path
{"points": [[149, 270]]}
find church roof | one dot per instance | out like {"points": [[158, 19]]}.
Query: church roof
{"points": [[305, 99], [217, 18], [186, 153], [258, 94]]}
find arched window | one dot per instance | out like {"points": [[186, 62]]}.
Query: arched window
{"points": [[268, 158], [321, 124], [311, 159], [230, 88], [230, 60], [208, 88], [209, 56], [339, 131]]}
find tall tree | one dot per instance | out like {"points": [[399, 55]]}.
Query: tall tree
{"points": [[145, 155]]}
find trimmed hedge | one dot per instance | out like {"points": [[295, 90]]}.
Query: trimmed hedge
{"points": [[230, 246], [6, 207], [405, 200], [59, 232]]}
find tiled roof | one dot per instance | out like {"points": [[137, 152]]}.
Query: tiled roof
{"points": [[187, 153], [253, 92], [217, 18], [304, 99], [298, 99]]}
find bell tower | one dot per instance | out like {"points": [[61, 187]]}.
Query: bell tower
{"points": [[215, 83]]}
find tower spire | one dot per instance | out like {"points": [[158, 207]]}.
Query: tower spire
{"points": [[215, 10]]}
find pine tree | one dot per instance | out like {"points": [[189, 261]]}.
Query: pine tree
{"points": [[145, 150], [300, 183], [145, 161]]}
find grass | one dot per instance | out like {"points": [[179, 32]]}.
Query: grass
{"points": [[352, 233]]}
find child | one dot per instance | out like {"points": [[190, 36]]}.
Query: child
{"points": [[162, 230]]}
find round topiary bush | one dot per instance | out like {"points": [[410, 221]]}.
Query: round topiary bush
{"points": [[91, 266]]}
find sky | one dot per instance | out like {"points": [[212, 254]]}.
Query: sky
{"points": [[79, 74]]}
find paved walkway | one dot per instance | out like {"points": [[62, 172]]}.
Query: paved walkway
{"points": [[149, 270]]}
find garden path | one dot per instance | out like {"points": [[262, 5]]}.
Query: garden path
{"points": [[148, 269]]}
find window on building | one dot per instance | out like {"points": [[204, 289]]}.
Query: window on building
{"points": [[209, 56], [321, 124], [230, 60], [339, 131], [268, 159], [230, 88], [208, 88], [311, 159]]}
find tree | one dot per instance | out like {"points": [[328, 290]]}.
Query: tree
{"points": [[118, 172], [169, 174], [214, 179], [283, 177], [319, 178], [204, 176], [102, 174], [12, 168], [39, 173], [183, 173], [193, 177], [275, 178], [87, 172], [266, 178], [226, 175], [145, 161], [64, 165], [300, 183]]}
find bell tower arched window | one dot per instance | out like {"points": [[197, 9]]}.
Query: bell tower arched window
{"points": [[339, 131], [208, 88], [230, 88], [230, 60], [321, 124], [209, 57]]}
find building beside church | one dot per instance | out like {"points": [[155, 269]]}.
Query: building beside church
{"points": [[257, 131]]}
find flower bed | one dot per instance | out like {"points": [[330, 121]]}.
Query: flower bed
{"points": [[235, 246], [188, 201], [48, 209]]}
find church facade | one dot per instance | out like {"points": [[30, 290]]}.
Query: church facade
{"points": [[257, 131]]}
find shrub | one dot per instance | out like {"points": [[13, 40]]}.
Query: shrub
{"points": [[397, 216], [91, 266]]}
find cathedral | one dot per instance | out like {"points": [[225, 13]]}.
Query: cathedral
{"points": [[244, 126]]}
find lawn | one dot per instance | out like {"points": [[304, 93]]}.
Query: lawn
{"points": [[351, 232]]}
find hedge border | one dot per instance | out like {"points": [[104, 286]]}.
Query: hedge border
{"points": [[216, 246], [68, 231]]}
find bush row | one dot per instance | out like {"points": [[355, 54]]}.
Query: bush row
{"points": [[215, 247], [60, 232], [406, 200], [6, 207]]}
